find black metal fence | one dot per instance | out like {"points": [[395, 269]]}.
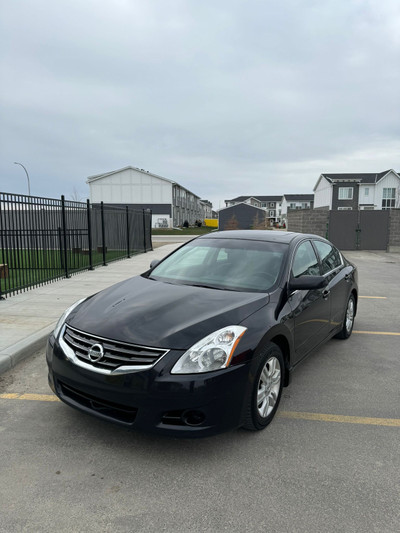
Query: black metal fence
{"points": [[45, 239]]}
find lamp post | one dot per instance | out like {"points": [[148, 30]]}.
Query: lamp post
{"points": [[27, 176]]}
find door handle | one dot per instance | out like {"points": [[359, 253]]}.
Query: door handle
{"points": [[347, 277], [325, 294]]}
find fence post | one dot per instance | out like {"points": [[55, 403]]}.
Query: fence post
{"points": [[103, 233], [127, 231], [60, 245], [358, 229], [89, 224], [144, 232], [64, 231], [2, 246], [151, 220]]}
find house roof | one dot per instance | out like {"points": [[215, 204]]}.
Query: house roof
{"points": [[260, 198], [106, 174], [262, 210], [367, 178], [299, 197], [269, 198], [362, 178]]}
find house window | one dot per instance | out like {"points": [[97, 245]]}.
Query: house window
{"points": [[366, 191], [388, 198], [345, 193], [263, 204], [292, 206], [345, 208], [272, 204], [272, 213]]}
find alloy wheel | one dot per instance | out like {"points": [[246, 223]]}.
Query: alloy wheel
{"points": [[268, 387], [350, 315]]}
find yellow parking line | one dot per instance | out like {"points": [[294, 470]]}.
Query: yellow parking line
{"points": [[393, 422], [37, 397], [320, 417], [376, 332], [375, 297]]}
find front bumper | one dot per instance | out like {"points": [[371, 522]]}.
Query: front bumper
{"points": [[154, 400]]}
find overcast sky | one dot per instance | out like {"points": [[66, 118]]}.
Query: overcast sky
{"points": [[227, 97]]}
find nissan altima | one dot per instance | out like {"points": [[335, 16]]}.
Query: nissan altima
{"points": [[204, 341]]}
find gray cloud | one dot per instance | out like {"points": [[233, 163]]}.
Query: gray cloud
{"points": [[226, 98]]}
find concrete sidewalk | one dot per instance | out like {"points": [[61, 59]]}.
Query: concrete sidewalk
{"points": [[27, 319]]}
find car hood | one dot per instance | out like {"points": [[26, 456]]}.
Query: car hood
{"points": [[155, 313]]}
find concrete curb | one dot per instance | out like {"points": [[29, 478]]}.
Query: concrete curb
{"points": [[16, 353]]}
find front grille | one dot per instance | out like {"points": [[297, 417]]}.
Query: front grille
{"points": [[116, 353], [116, 411]]}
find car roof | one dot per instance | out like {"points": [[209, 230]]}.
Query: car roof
{"points": [[284, 237]]}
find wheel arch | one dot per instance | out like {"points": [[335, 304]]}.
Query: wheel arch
{"points": [[282, 342], [355, 294]]}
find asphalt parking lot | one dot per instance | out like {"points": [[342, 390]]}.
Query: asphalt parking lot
{"points": [[330, 461]]}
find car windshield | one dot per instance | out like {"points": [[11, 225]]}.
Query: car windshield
{"points": [[230, 264]]}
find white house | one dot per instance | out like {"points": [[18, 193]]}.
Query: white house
{"points": [[170, 203], [358, 191], [296, 201]]}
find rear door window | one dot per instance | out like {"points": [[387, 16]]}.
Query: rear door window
{"points": [[329, 255]]}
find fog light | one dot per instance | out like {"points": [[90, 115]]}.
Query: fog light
{"points": [[193, 418]]}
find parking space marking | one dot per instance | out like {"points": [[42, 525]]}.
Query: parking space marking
{"points": [[294, 415], [393, 422], [376, 332], [375, 297], [36, 397]]}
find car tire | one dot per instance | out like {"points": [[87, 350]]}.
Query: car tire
{"points": [[266, 392], [348, 321]]}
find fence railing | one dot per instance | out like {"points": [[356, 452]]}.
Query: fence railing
{"points": [[45, 239]]}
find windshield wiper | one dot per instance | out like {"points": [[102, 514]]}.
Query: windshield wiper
{"points": [[208, 286]]}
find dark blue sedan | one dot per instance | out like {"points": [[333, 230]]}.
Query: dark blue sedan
{"points": [[204, 341]]}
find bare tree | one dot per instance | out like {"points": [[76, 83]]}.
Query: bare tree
{"points": [[232, 223], [75, 196], [257, 223]]}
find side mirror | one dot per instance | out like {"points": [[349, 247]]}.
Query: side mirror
{"points": [[154, 263], [307, 283]]}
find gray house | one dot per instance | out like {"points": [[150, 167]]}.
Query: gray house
{"points": [[241, 216], [271, 204]]}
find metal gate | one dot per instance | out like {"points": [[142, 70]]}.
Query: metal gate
{"points": [[359, 230]]}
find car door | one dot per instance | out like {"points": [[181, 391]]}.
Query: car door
{"points": [[338, 280], [310, 308]]}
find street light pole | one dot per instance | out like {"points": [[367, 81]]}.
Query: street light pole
{"points": [[27, 176]]}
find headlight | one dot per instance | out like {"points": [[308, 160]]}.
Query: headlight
{"points": [[211, 353], [63, 317]]}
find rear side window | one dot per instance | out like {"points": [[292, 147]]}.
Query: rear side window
{"points": [[329, 255], [305, 262]]}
